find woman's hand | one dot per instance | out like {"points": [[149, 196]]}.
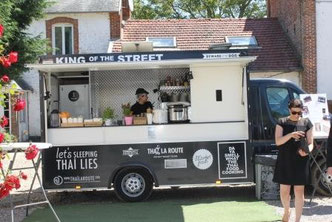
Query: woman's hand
{"points": [[297, 134], [302, 153]]}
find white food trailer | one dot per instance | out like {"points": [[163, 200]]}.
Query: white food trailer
{"points": [[211, 146]]}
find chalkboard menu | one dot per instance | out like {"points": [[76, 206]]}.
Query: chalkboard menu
{"points": [[232, 160]]}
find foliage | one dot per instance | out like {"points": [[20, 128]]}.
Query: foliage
{"points": [[180, 9], [9, 181], [16, 16], [108, 113], [126, 109]]}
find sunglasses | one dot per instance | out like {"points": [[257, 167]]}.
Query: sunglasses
{"points": [[298, 113]]}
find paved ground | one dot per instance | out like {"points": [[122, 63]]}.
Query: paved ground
{"points": [[320, 210]]}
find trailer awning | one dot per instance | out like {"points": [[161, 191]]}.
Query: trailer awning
{"points": [[139, 60]]}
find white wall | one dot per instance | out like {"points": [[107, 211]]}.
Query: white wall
{"points": [[324, 46], [93, 28], [209, 78]]}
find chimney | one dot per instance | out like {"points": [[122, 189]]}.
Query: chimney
{"points": [[116, 19], [115, 22], [126, 12]]}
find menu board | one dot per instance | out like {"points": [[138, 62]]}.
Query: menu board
{"points": [[316, 109], [232, 160]]}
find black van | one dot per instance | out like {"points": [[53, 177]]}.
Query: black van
{"points": [[268, 102]]}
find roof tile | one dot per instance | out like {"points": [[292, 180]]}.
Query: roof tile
{"points": [[276, 52]]}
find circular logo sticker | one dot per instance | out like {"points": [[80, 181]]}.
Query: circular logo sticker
{"points": [[58, 180], [73, 95], [202, 159]]}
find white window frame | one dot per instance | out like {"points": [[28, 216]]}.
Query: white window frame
{"points": [[148, 39], [227, 38], [62, 26]]}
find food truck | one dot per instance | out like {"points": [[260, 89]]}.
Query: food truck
{"points": [[200, 131], [205, 142]]}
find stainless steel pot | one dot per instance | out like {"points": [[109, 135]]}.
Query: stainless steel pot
{"points": [[177, 113]]}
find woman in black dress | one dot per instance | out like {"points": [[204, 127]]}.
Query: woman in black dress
{"points": [[292, 166]]}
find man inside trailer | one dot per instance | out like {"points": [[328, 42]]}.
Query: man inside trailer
{"points": [[142, 103]]}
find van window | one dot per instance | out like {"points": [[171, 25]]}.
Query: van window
{"points": [[278, 99], [296, 95]]}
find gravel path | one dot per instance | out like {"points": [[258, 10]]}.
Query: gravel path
{"points": [[320, 210]]}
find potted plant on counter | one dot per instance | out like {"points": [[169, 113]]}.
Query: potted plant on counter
{"points": [[128, 118], [108, 116]]}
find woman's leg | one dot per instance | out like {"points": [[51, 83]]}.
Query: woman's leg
{"points": [[285, 200], [299, 201]]}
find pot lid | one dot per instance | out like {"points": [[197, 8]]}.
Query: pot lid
{"points": [[185, 104]]}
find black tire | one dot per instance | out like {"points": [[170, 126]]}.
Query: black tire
{"points": [[322, 187], [133, 184]]}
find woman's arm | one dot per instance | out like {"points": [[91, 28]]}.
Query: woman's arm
{"points": [[280, 139]]}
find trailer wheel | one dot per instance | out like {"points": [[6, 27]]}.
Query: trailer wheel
{"points": [[323, 186], [133, 184]]}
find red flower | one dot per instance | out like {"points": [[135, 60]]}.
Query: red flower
{"points": [[1, 30], [12, 57], [3, 191], [4, 121], [5, 79], [2, 137], [5, 62], [11, 182], [23, 176], [31, 152], [0, 164], [19, 105]]}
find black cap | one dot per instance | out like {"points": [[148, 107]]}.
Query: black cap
{"points": [[141, 91]]}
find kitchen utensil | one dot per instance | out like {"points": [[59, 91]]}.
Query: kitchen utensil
{"points": [[159, 116], [54, 118], [149, 118], [163, 106], [178, 112], [164, 97], [174, 97], [184, 97]]}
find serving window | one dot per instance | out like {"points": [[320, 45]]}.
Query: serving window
{"points": [[116, 87]]}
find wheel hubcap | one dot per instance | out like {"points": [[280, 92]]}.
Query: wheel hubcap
{"points": [[326, 180], [133, 185]]}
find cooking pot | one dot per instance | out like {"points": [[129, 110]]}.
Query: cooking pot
{"points": [[184, 97], [174, 97], [178, 112]]}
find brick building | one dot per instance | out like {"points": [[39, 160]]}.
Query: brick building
{"points": [[304, 22]]}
